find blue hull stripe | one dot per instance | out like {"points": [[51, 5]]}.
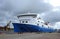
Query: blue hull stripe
{"points": [[30, 28]]}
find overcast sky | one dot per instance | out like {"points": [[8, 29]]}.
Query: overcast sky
{"points": [[49, 10]]}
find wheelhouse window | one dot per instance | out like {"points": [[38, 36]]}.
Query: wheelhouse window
{"points": [[28, 15]]}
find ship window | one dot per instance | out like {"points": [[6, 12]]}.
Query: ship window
{"points": [[34, 16], [48, 26], [39, 18], [22, 21], [38, 21], [37, 24], [26, 21], [27, 15], [41, 22], [42, 25]]}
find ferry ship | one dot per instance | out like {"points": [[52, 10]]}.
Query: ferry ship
{"points": [[31, 22]]}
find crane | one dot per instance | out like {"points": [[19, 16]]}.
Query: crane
{"points": [[7, 27]]}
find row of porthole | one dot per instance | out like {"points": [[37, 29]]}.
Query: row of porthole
{"points": [[38, 25], [23, 21], [42, 25]]}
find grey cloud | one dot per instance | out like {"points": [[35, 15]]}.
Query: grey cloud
{"points": [[22, 6], [52, 16], [11, 8], [35, 6]]}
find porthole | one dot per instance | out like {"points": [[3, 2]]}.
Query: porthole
{"points": [[38, 21], [26, 21], [22, 21], [37, 24], [42, 26], [48, 26]]}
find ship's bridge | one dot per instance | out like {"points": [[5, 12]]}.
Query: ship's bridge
{"points": [[30, 18]]}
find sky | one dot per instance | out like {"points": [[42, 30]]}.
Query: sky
{"points": [[49, 10]]}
